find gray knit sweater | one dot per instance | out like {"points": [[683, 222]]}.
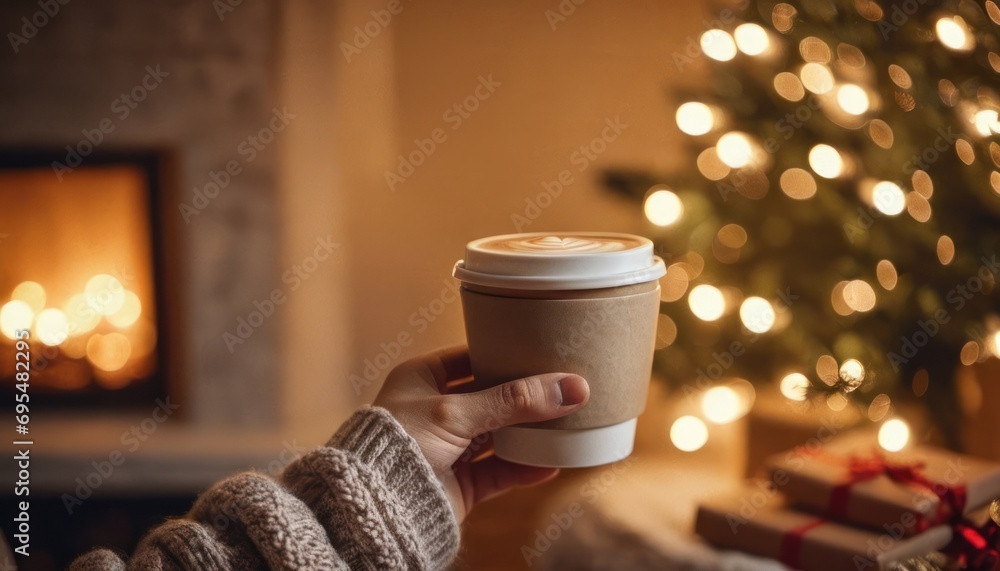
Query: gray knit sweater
{"points": [[368, 500]]}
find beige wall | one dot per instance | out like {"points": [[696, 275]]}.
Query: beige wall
{"points": [[557, 88]]}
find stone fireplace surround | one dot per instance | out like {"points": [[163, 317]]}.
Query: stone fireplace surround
{"points": [[223, 80]]}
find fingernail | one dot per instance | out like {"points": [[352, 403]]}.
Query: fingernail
{"points": [[574, 390]]}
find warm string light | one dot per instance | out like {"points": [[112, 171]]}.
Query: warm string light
{"points": [[663, 207], [894, 435], [954, 34], [718, 45], [688, 433], [826, 161], [751, 39], [707, 302], [795, 386], [695, 118], [736, 150]]}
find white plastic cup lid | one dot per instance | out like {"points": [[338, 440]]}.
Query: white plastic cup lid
{"points": [[559, 261]]}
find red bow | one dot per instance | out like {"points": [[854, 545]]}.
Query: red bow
{"points": [[971, 547], [975, 548]]}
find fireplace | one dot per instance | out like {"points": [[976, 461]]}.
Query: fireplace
{"points": [[83, 269]]}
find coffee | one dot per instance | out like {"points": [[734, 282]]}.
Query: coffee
{"points": [[583, 303]]}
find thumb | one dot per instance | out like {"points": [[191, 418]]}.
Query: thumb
{"points": [[531, 399]]}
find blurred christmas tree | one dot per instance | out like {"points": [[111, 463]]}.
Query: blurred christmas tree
{"points": [[839, 232]]}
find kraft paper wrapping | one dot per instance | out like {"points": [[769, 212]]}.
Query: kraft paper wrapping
{"points": [[811, 479], [607, 340], [761, 524]]}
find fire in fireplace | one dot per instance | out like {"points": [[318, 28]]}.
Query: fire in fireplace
{"points": [[81, 268]]}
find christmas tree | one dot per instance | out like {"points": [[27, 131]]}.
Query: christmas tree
{"points": [[838, 235]]}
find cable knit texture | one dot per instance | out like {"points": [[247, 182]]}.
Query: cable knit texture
{"points": [[368, 500]]}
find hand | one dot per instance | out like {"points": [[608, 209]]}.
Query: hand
{"points": [[452, 427]]}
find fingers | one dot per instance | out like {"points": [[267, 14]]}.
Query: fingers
{"points": [[448, 365], [532, 399], [493, 476]]}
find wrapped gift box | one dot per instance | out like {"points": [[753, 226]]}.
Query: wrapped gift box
{"points": [[759, 522], [849, 480]]}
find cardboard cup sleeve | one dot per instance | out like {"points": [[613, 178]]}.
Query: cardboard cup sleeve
{"points": [[607, 337]]}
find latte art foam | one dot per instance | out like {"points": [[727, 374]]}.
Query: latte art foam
{"points": [[557, 245]]}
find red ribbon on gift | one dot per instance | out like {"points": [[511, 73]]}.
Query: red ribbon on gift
{"points": [[791, 544], [951, 499], [975, 548]]}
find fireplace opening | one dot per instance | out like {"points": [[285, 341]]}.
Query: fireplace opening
{"points": [[82, 267]]}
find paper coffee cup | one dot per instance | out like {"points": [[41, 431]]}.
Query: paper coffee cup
{"points": [[580, 302]]}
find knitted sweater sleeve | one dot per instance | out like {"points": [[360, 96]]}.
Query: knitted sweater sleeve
{"points": [[367, 500]]}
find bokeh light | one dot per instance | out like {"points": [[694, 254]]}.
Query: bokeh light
{"points": [[987, 122], [945, 250], [826, 161], [15, 315], [130, 310], [663, 207], [718, 45], [52, 327], [852, 99], [859, 295], [105, 294], [879, 407], [82, 317], [757, 314], [783, 17], [688, 433], [893, 435], [735, 149], [852, 373], [751, 39], [722, 405], [900, 77], [798, 183], [888, 198], [695, 118], [954, 34], [31, 293], [817, 78], [707, 302], [108, 352], [795, 386], [886, 273], [787, 85]]}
